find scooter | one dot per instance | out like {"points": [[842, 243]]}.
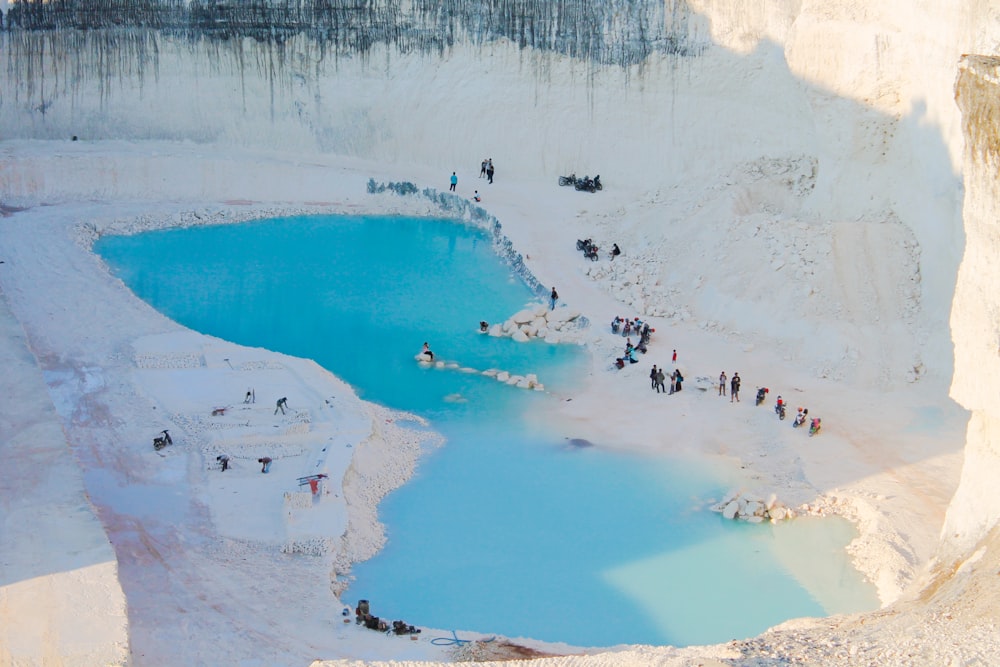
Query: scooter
{"points": [[814, 427], [761, 394], [800, 419], [161, 441]]}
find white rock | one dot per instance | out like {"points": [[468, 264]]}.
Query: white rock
{"points": [[755, 519], [496, 330], [503, 376], [522, 317], [563, 315], [754, 508], [731, 509], [520, 336], [528, 330]]}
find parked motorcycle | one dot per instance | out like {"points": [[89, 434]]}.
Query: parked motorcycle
{"points": [[162, 440], [589, 184], [586, 183]]}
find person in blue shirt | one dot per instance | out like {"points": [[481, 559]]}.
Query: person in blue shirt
{"points": [[454, 182]]}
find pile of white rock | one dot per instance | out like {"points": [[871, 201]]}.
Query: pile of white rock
{"points": [[528, 381], [753, 509], [558, 325]]}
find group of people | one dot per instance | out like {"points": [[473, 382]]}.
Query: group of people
{"points": [[626, 328], [485, 171], [657, 379], [734, 386]]}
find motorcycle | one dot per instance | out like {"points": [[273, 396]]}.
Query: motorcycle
{"points": [[162, 440], [814, 427], [589, 184], [584, 244], [800, 419], [590, 252], [761, 394], [567, 180], [779, 409]]}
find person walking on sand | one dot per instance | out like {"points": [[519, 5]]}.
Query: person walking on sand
{"points": [[454, 181], [281, 405], [223, 460], [489, 171], [482, 169], [652, 377], [734, 388], [674, 359], [660, 378], [722, 383]]}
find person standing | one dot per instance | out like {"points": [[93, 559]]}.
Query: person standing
{"points": [[673, 382], [652, 378], [454, 181], [674, 359], [660, 377], [553, 298], [489, 170], [223, 460], [482, 169], [722, 383], [734, 388]]}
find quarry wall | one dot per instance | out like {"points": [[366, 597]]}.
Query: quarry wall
{"points": [[673, 94]]}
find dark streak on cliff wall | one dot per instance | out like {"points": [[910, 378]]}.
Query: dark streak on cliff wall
{"points": [[976, 95], [610, 32]]}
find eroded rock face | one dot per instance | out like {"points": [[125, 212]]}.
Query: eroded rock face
{"points": [[975, 314]]}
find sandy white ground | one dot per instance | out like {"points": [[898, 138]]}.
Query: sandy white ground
{"points": [[203, 558]]}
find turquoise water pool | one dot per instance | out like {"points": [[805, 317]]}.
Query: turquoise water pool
{"points": [[502, 529]]}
